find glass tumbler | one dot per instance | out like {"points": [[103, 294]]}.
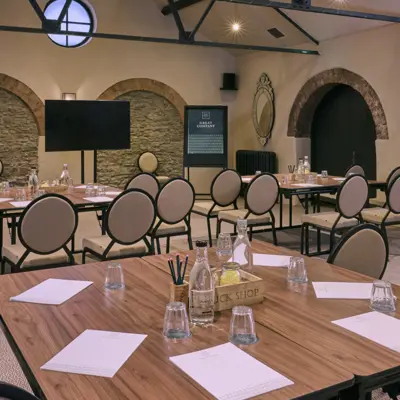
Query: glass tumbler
{"points": [[20, 194], [176, 322], [114, 277], [324, 174], [224, 247], [382, 298], [297, 272], [242, 329]]}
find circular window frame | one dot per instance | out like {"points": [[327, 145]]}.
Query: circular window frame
{"points": [[93, 25]]}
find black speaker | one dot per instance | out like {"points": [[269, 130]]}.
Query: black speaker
{"points": [[229, 82]]}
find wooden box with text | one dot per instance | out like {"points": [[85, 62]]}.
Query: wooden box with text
{"points": [[249, 291]]}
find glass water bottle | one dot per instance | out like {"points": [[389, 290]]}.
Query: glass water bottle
{"points": [[242, 252], [65, 178], [33, 183]]}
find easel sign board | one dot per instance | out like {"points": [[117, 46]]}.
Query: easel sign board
{"points": [[206, 136]]}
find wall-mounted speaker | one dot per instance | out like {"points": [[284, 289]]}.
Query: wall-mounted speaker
{"points": [[229, 81]]}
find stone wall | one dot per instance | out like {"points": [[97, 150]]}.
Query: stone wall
{"points": [[156, 126], [18, 137]]}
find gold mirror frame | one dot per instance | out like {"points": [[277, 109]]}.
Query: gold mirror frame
{"points": [[264, 109]]}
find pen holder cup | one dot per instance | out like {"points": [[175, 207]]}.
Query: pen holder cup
{"points": [[179, 293]]}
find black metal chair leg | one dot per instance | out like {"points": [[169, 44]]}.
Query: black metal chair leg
{"points": [[158, 246], [274, 235], [307, 228], [318, 240], [209, 231], [332, 240], [251, 234], [2, 267], [218, 227], [190, 241], [83, 256], [168, 244], [302, 239]]}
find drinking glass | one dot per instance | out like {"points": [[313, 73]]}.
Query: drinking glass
{"points": [[39, 193], [224, 247], [242, 329], [324, 173], [70, 186], [176, 322], [101, 190], [297, 272], [285, 179], [89, 189], [20, 194], [258, 172], [382, 298], [5, 188], [311, 178], [114, 277]]}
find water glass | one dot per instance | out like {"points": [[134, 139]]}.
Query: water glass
{"points": [[285, 179], [176, 322], [297, 272], [324, 173], [258, 172], [242, 330], [311, 178], [114, 277], [89, 191], [224, 247], [70, 186], [382, 298], [39, 193], [101, 190], [5, 188], [20, 194]]}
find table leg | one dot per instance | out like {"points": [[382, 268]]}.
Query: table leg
{"points": [[280, 210], [306, 203], [103, 225], [13, 230], [290, 210]]}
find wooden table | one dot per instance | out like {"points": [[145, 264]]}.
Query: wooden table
{"points": [[7, 210], [329, 185], [41, 331], [294, 312]]}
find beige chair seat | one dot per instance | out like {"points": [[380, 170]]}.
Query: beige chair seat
{"points": [[376, 215], [162, 179], [166, 229], [100, 243], [16, 251], [327, 220], [203, 207], [252, 219]]}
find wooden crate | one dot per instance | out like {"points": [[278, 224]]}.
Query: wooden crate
{"points": [[249, 291]]}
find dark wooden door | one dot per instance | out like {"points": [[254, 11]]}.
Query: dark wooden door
{"points": [[343, 130]]}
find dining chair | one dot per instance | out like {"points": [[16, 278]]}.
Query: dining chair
{"points": [[174, 204], [355, 169], [144, 181], [260, 198], [148, 162], [225, 190], [363, 249], [394, 173], [11, 392], [1, 167], [128, 220], [351, 199], [390, 214], [45, 228]]}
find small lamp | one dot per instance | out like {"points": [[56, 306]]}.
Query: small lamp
{"points": [[69, 96]]}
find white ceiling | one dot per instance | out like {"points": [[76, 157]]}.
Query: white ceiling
{"points": [[256, 20]]}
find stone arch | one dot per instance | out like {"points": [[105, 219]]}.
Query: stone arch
{"points": [[146, 85], [157, 114], [314, 90], [28, 96]]}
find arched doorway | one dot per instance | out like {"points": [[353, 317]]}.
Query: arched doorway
{"points": [[343, 132]]}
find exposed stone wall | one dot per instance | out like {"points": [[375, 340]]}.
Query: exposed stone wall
{"points": [[19, 137], [156, 126], [311, 93]]}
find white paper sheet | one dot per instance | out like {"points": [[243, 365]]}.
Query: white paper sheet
{"points": [[342, 290], [306, 184], [247, 180], [98, 199], [52, 291], [4, 199], [378, 327], [339, 179], [20, 204], [85, 186], [113, 193], [271, 260], [229, 373], [238, 255], [98, 353]]}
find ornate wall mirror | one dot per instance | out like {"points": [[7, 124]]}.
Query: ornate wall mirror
{"points": [[264, 109]]}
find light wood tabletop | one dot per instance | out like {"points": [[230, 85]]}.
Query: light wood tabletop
{"points": [[294, 312], [41, 331]]}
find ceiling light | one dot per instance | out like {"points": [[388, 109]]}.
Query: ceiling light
{"points": [[236, 26]]}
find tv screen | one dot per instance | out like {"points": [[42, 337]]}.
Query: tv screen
{"points": [[87, 125]]}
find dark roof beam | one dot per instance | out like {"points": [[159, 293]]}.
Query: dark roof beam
{"points": [[202, 19], [179, 5], [178, 21]]}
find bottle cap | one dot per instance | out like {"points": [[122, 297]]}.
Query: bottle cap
{"points": [[201, 243], [242, 223]]}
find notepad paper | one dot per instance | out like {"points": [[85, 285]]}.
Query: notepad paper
{"points": [[247, 180], [378, 327], [4, 199], [98, 199], [113, 193], [306, 184], [263, 260], [20, 204], [339, 179], [229, 373], [97, 353], [85, 186], [52, 291], [342, 290]]}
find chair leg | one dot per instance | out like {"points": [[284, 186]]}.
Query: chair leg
{"points": [[332, 240], [302, 239], [84, 256], [209, 231], [318, 240], [2, 267], [158, 246], [218, 227], [152, 247], [168, 244], [190, 240], [307, 228], [251, 234], [274, 237]]}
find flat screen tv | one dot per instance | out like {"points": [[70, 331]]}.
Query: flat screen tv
{"points": [[87, 125]]}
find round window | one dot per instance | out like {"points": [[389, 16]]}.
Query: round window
{"points": [[79, 18]]}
